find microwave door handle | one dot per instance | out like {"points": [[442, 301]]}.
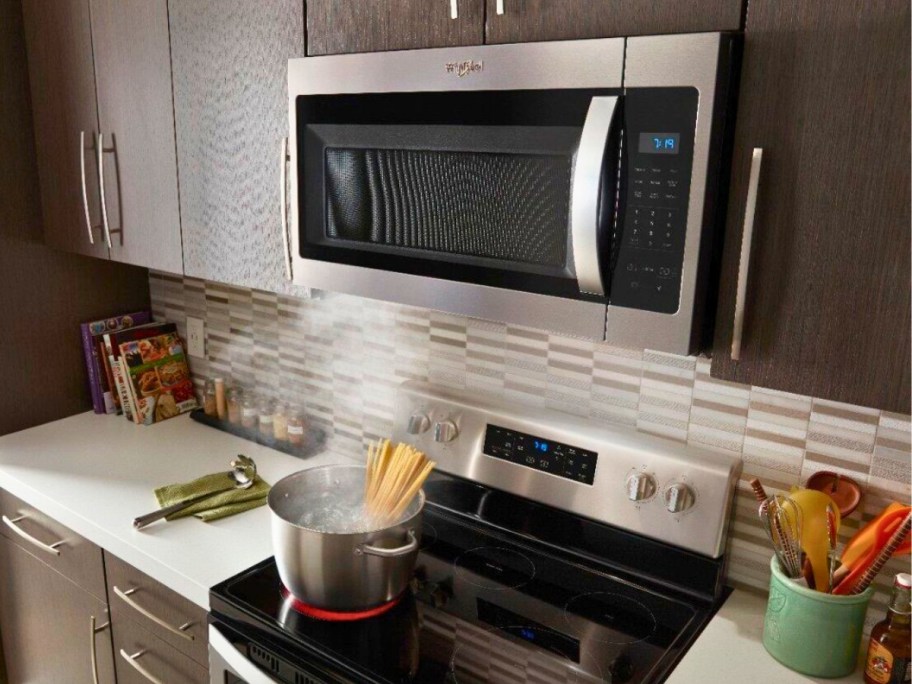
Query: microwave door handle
{"points": [[584, 199]]}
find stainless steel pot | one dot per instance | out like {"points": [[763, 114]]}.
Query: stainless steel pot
{"points": [[339, 571]]}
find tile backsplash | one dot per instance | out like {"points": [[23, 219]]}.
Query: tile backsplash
{"points": [[343, 357]]}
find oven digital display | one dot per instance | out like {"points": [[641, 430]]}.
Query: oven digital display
{"points": [[659, 143], [564, 460], [512, 623]]}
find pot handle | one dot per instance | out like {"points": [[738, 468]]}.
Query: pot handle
{"points": [[389, 553]]}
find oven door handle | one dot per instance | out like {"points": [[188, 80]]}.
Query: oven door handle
{"points": [[242, 667], [587, 185]]}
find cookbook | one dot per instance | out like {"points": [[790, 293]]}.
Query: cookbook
{"points": [[111, 353], [101, 389], [158, 378]]}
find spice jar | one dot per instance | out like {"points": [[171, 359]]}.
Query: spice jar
{"points": [[266, 419], [235, 397], [221, 405], [280, 423], [295, 427], [210, 400], [249, 411]]}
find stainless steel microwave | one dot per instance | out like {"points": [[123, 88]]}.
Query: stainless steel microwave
{"points": [[571, 186]]}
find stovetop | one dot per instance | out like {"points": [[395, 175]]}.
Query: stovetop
{"points": [[490, 602]]}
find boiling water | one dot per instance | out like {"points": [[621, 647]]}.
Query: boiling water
{"points": [[335, 511]]}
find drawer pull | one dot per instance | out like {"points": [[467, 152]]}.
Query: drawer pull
{"points": [[132, 661], [50, 548], [93, 630], [179, 631], [500, 6]]}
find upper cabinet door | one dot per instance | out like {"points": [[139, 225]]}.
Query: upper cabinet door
{"points": [[825, 94], [516, 21], [59, 43], [230, 66], [136, 115], [336, 26]]}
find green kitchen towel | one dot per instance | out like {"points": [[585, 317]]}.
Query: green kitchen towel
{"points": [[217, 506]]}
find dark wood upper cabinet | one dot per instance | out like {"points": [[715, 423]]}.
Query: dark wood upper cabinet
{"points": [[337, 26], [531, 20], [825, 93]]}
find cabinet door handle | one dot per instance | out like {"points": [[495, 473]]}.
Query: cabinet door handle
{"points": [[101, 191], [500, 6], [93, 630], [747, 239], [50, 548], [454, 9], [85, 195], [132, 661], [179, 631], [283, 193]]}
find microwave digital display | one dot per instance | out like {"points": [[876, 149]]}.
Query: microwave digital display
{"points": [[659, 143]]}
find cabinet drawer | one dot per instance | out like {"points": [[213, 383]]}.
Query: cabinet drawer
{"points": [[74, 557], [166, 614], [142, 658]]}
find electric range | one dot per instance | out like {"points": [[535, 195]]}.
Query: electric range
{"points": [[508, 588]]}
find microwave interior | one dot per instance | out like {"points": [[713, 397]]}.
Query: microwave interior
{"points": [[478, 187]]}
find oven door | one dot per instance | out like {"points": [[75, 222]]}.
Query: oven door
{"points": [[479, 181]]}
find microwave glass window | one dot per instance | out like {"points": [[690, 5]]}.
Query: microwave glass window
{"points": [[659, 143]]}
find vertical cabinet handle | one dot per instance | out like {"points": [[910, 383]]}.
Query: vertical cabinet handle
{"points": [[454, 9], [283, 193], [101, 191], [50, 548], [500, 6], [747, 239], [132, 661], [93, 651], [85, 197]]}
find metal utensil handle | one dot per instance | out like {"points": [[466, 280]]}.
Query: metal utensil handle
{"points": [[85, 195], [283, 192], [93, 630], [50, 548], [149, 518], [500, 6], [132, 661], [179, 631], [390, 553], [747, 239], [584, 196], [101, 191]]}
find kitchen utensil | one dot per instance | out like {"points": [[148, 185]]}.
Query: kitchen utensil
{"points": [[832, 540], [897, 538], [862, 549], [814, 537], [239, 477], [393, 477], [782, 519], [812, 632], [340, 571], [844, 491]]}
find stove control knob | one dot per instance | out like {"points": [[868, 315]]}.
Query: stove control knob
{"points": [[678, 498], [640, 486], [418, 423], [445, 431]]}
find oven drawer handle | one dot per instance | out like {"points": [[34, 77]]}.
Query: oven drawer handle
{"points": [[747, 240], [283, 196], [179, 631], [242, 667], [50, 548], [132, 660], [584, 199]]}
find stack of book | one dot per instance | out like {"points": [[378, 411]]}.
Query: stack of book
{"points": [[137, 367]]}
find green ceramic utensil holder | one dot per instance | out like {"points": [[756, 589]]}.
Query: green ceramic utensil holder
{"points": [[812, 632]]}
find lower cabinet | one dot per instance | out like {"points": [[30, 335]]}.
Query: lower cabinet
{"points": [[143, 658], [53, 631]]}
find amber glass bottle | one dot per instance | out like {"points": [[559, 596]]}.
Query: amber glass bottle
{"points": [[891, 640]]}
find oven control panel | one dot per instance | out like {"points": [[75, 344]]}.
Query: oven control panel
{"points": [[649, 241], [645, 484]]}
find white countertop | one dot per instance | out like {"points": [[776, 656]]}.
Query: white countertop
{"points": [[95, 473]]}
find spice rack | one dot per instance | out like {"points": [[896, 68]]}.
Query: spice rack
{"points": [[312, 443]]}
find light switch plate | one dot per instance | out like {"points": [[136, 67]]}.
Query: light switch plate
{"points": [[196, 337]]}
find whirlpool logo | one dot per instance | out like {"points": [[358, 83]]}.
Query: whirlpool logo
{"points": [[469, 66]]}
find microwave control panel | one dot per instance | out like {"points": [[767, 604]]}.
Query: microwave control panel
{"points": [[649, 238]]}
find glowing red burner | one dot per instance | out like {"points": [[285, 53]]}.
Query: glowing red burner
{"points": [[335, 615]]}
